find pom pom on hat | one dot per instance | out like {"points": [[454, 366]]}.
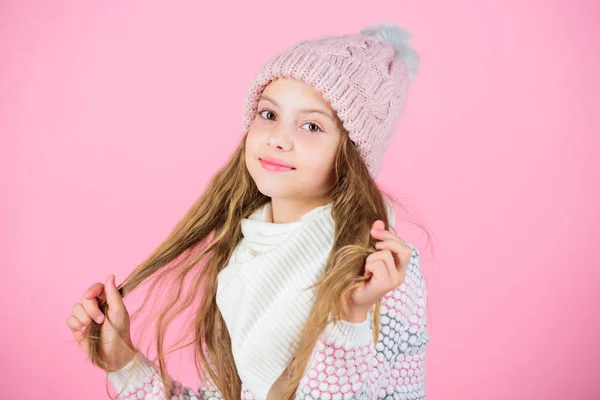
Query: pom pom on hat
{"points": [[398, 37]]}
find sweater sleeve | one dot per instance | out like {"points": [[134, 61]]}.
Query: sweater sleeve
{"points": [[139, 379], [347, 364]]}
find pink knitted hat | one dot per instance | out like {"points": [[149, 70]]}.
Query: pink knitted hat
{"points": [[364, 76]]}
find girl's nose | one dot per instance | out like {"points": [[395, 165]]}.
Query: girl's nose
{"points": [[280, 137]]}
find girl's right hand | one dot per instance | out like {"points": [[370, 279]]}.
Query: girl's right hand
{"points": [[116, 351]]}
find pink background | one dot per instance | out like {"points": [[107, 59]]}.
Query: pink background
{"points": [[114, 116]]}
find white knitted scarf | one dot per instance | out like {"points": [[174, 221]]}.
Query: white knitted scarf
{"points": [[261, 294]]}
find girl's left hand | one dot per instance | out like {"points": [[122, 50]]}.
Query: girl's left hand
{"points": [[386, 268]]}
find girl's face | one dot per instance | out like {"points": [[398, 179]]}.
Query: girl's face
{"points": [[296, 127]]}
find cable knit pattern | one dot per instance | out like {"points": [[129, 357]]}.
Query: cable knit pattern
{"points": [[345, 363], [364, 76]]}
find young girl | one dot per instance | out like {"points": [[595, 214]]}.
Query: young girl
{"points": [[304, 289]]}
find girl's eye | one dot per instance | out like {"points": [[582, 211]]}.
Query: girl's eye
{"points": [[313, 129], [317, 127], [268, 111]]}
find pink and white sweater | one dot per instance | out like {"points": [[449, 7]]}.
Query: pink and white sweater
{"points": [[261, 299], [342, 366]]}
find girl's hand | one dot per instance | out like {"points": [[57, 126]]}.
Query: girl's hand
{"points": [[116, 351], [386, 269]]}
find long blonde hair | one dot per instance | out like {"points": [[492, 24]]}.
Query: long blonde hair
{"points": [[201, 243]]}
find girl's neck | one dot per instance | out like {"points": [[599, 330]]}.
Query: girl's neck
{"points": [[291, 210]]}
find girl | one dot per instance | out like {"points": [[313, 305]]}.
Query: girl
{"points": [[307, 292]]}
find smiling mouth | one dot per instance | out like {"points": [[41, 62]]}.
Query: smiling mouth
{"points": [[269, 166]]}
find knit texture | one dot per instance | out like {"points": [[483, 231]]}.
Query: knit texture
{"points": [[345, 363], [262, 294], [364, 77]]}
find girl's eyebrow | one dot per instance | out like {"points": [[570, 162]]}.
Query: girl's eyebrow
{"points": [[306, 110]]}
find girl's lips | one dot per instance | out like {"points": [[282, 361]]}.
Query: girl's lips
{"points": [[274, 167]]}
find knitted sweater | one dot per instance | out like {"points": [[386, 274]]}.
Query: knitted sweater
{"points": [[345, 363]]}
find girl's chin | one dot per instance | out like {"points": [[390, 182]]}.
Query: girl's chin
{"points": [[271, 191]]}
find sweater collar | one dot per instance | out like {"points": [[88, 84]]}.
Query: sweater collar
{"points": [[262, 292], [259, 229]]}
